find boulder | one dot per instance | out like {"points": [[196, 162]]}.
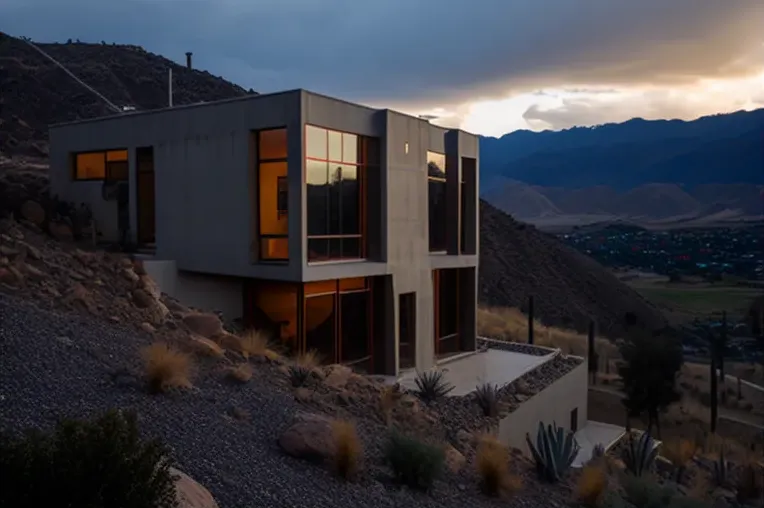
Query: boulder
{"points": [[33, 212], [206, 346], [151, 286], [337, 376], [204, 324], [454, 459], [309, 438], [191, 494], [142, 299]]}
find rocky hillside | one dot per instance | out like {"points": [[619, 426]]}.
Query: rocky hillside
{"points": [[515, 260], [37, 93], [569, 288]]}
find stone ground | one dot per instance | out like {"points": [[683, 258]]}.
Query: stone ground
{"points": [[223, 435]]}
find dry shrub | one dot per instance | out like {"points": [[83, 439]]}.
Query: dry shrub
{"points": [[492, 461], [241, 372], [347, 449], [308, 360], [508, 323], [166, 367], [255, 343], [388, 398], [678, 451], [591, 484]]}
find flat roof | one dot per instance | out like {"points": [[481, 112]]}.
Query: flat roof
{"points": [[249, 97]]}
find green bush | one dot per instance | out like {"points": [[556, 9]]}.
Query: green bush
{"points": [[414, 463], [86, 464]]}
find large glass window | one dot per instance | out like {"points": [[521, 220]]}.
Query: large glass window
{"points": [[336, 176], [102, 165], [273, 194], [446, 311], [436, 200]]}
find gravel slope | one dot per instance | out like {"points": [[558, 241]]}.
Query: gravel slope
{"points": [[54, 365]]}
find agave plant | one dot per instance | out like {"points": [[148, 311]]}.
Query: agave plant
{"points": [[640, 454], [598, 452], [299, 375], [488, 398], [721, 470], [554, 451], [432, 385]]}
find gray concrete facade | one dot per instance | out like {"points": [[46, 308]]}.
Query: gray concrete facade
{"points": [[205, 196]]}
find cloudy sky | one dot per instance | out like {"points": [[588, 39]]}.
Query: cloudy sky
{"points": [[490, 66]]}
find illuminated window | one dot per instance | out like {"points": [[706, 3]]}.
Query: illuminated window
{"points": [[336, 177], [273, 187], [436, 200], [104, 165]]}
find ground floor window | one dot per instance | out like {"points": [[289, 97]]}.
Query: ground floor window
{"points": [[445, 284], [332, 317]]}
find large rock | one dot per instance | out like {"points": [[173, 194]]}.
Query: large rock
{"points": [[206, 346], [204, 324], [309, 438], [337, 376], [189, 493], [454, 459]]}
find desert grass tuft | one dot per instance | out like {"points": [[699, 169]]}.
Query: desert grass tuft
{"points": [[388, 398], [241, 372], [166, 367], [309, 359], [347, 449], [255, 343], [591, 484], [492, 462], [679, 452]]}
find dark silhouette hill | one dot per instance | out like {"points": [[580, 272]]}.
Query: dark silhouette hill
{"points": [[651, 169], [516, 260], [36, 92]]}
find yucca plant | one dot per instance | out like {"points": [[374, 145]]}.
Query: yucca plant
{"points": [[432, 385], [488, 398], [721, 470], [640, 454], [554, 451]]}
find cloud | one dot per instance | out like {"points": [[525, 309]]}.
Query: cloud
{"points": [[425, 52]]}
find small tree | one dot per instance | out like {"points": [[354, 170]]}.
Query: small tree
{"points": [[649, 371]]}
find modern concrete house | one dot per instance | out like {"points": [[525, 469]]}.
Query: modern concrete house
{"points": [[335, 227]]}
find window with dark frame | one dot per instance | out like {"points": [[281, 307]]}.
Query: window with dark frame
{"points": [[436, 201], [336, 178], [111, 165], [272, 185], [446, 311]]}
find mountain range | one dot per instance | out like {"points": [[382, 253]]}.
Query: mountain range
{"points": [[640, 169]]}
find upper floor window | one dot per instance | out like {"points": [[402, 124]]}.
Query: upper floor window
{"points": [[436, 200], [272, 194], [336, 178], [102, 165]]}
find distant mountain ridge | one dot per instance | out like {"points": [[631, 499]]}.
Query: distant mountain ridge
{"points": [[650, 168]]}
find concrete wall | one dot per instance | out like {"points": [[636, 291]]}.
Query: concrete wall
{"points": [[205, 196], [202, 161], [553, 404], [207, 292]]}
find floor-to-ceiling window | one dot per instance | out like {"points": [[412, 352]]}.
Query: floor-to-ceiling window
{"points": [[336, 177], [436, 200], [445, 284], [338, 321], [272, 195]]}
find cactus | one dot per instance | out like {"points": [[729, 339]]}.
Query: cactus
{"points": [[721, 470], [639, 456], [554, 451]]}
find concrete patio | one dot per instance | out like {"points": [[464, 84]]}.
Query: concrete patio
{"points": [[493, 366]]}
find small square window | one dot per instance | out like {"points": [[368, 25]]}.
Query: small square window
{"points": [[406, 147]]}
